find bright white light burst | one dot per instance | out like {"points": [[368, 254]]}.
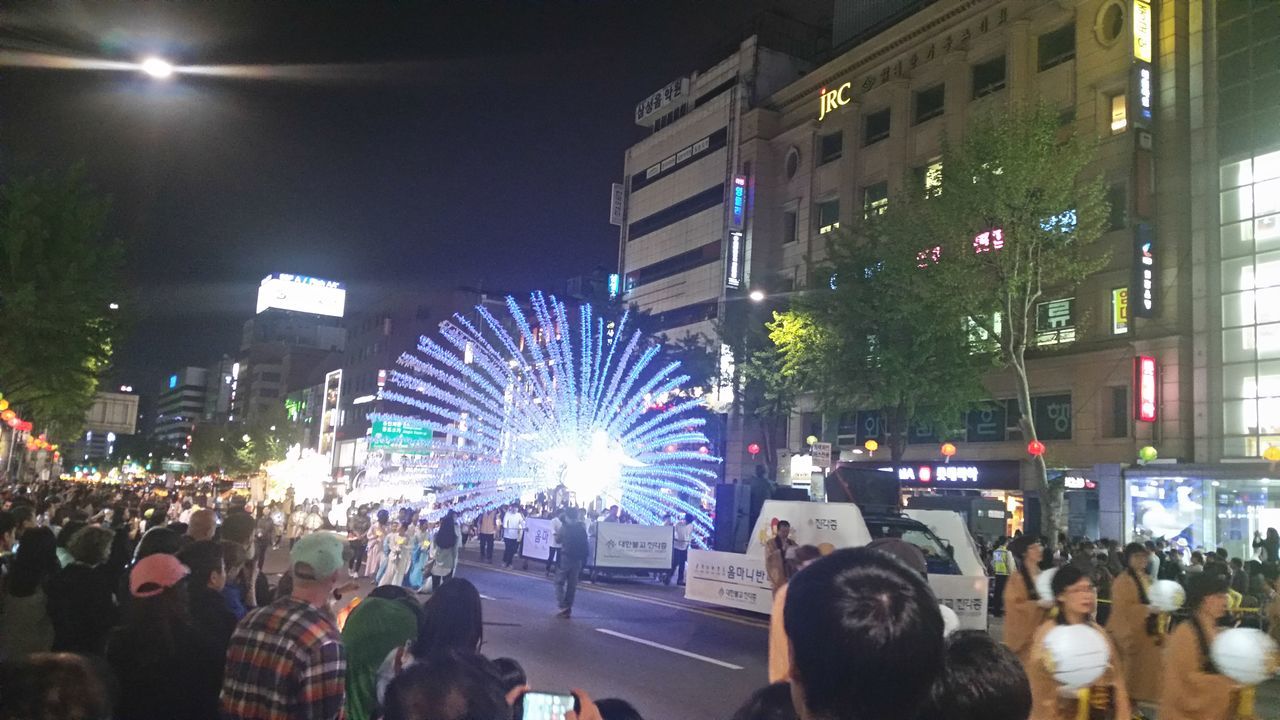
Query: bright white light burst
{"points": [[518, 407]]}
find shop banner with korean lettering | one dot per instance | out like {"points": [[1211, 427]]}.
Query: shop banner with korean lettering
{"points": [[537, 539], [966, 595], [812, 523], [729, 580], [634, 547]]}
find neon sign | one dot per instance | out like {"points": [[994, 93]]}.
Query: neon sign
{"points": [[739, 201], [1144, 384], [988, 241], [833, 100], [1144, 270], [1142, 30], [733, 276]]}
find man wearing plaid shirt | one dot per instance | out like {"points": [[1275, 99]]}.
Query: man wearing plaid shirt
{"points": [[286, 660]]}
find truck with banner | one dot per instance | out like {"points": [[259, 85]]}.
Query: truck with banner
{"points": [[739, 580]]}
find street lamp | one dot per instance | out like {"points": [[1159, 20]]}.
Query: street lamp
{"points": [[756, 295], [246, 437], [157, 68]]}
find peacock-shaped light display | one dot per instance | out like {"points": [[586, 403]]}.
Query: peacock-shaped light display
{"points": [[536, 402]]}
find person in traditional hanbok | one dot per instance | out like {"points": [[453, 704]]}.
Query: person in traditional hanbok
{"points": [[1138, 629], [376, 536], [399, 552], [421, 554]]}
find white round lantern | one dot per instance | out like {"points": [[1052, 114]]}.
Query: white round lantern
{"points": [[1245, 655], [1166, 596], [950, 621], [1077, 655], [1044, 586]]}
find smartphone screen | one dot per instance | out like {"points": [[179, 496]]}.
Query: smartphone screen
{"points": [[546, 706]]}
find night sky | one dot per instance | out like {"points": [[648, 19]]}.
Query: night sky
{"points": [[432, 144]]}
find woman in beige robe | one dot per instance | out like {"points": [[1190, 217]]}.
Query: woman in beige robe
{"points": [[1134, 625], [1193, 689], [1023, 613], [1077, 601]]}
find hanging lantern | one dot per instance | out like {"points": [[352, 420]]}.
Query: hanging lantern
{"points": [[4, 404], [812, 439], [871, 446], [13, 422], [1036, 448], [948, 450], [1147, 454], [754, 449], [8, 415]]}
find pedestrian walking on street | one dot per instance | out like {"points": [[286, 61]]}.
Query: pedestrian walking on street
{"points": [[286, 660], [487, 528], [682, 535], [573, 556], [374, 539], [512, 527], [444, 552], [553, 545]]}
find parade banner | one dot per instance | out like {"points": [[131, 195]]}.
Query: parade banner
{"points": [[836, 525], [966, 595], [634, 547], [728, 579], [537, 539]]}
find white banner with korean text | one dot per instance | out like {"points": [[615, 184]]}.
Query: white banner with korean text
{"points": [[634, 547], [537, 539], [966, 595], [728, 579]]}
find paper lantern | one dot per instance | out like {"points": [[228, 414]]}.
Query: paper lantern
{"points": [[948, 450], [1271, 454], [1035, 447], [871, 445], [8, 415], [4, 404], [1044, 586], [13, 422], [812, 439], [1246, 655], [754, 448], [950, 621], [1166, 595], [1147, 454], [1077, 656]]}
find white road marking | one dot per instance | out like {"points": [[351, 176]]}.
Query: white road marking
{"points": [[486, 597], [670, 649]]}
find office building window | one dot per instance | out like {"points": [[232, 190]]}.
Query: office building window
{"points": [[790, 226], [929, 102], [876, 128], [828, 215], [1116, 424], [1119, 113], [931, 178], [1057, 46], [988, 77], [1118, 206], [875, 199], [830, 146]]}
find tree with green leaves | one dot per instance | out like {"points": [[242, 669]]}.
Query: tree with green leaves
{"points": [[59, 276], [1016, 224], [863, 338]]}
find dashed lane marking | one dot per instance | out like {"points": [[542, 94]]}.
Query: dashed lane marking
{"points": [[669, 649]]}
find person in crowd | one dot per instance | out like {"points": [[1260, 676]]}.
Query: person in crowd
{"points": [[297, 524], [779, 555], [235, 558], [68, 529], [421, 540], [444, 552], [203, 525], [452, 620], [53, 686], [771, 702], [486, 529], [315, 519], [25, 626], [1023, 613], [24, 519], [397, 554], [574, 549], [448, 686], [1239, 578], [166, 666], [1268, 549], [866, 638], [81, 596], [377, 534], [553, 544], [981, 680], [617, 709], [1134, 626], [1192, 688], [264, 534], [682, 535], [8, 540], [1076, 600], [357, 531], [286, 660], [512, 529], [779, 662], [238, 526], [376, 627], [208, 607], [1001, 567]]}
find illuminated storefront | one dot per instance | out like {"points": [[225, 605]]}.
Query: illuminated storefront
{"points": [[1202, 506], [997, 481]]}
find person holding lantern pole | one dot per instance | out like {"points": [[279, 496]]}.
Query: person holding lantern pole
{"points": [[1022, 609], [1136, 626], [1193, 688], [1076, 601]]}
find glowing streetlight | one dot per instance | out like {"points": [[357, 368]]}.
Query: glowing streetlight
{"points": [[756, 296], [246, 437], [157, 68]]}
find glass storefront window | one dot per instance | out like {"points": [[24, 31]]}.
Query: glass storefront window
{"points": [[1166, 508], [1236, 174], [1194, 512]]}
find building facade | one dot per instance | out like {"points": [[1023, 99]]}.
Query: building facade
{"points": [[180, 406]]}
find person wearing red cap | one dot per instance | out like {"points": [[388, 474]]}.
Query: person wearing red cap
{"points": [[165, 666]]}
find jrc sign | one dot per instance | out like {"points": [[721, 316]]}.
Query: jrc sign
{"points": [[830, 100], [1144, 388]]}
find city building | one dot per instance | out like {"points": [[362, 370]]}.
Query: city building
{"points": [[179, 407], [217, 401]]}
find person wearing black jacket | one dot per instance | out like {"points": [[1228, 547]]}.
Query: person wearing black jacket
{"points": [[208, 608], [573, 553], [81, 596]]}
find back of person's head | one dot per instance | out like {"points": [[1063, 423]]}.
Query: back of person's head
{"points": [[617, 709], [203, 524], [1201, 585], [806, 554], [447, 535], [447, 686], [91, 544], [71, 527], [23, 515], [158, 541], [981, 680], [771, 702], [865, 634], [238, 526], [454, 620], [53, 686], [35, 562], [204, 558], [234, 557], [510, 672]]}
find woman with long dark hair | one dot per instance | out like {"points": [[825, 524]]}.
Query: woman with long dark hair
{"points": [[452, 620], [444, 552], [1023, 612], [1135, 626], [1193, 688], [1076, 600], [25, 627]]}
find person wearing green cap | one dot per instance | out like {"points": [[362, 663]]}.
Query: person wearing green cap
{"points": [[287, 660]]}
